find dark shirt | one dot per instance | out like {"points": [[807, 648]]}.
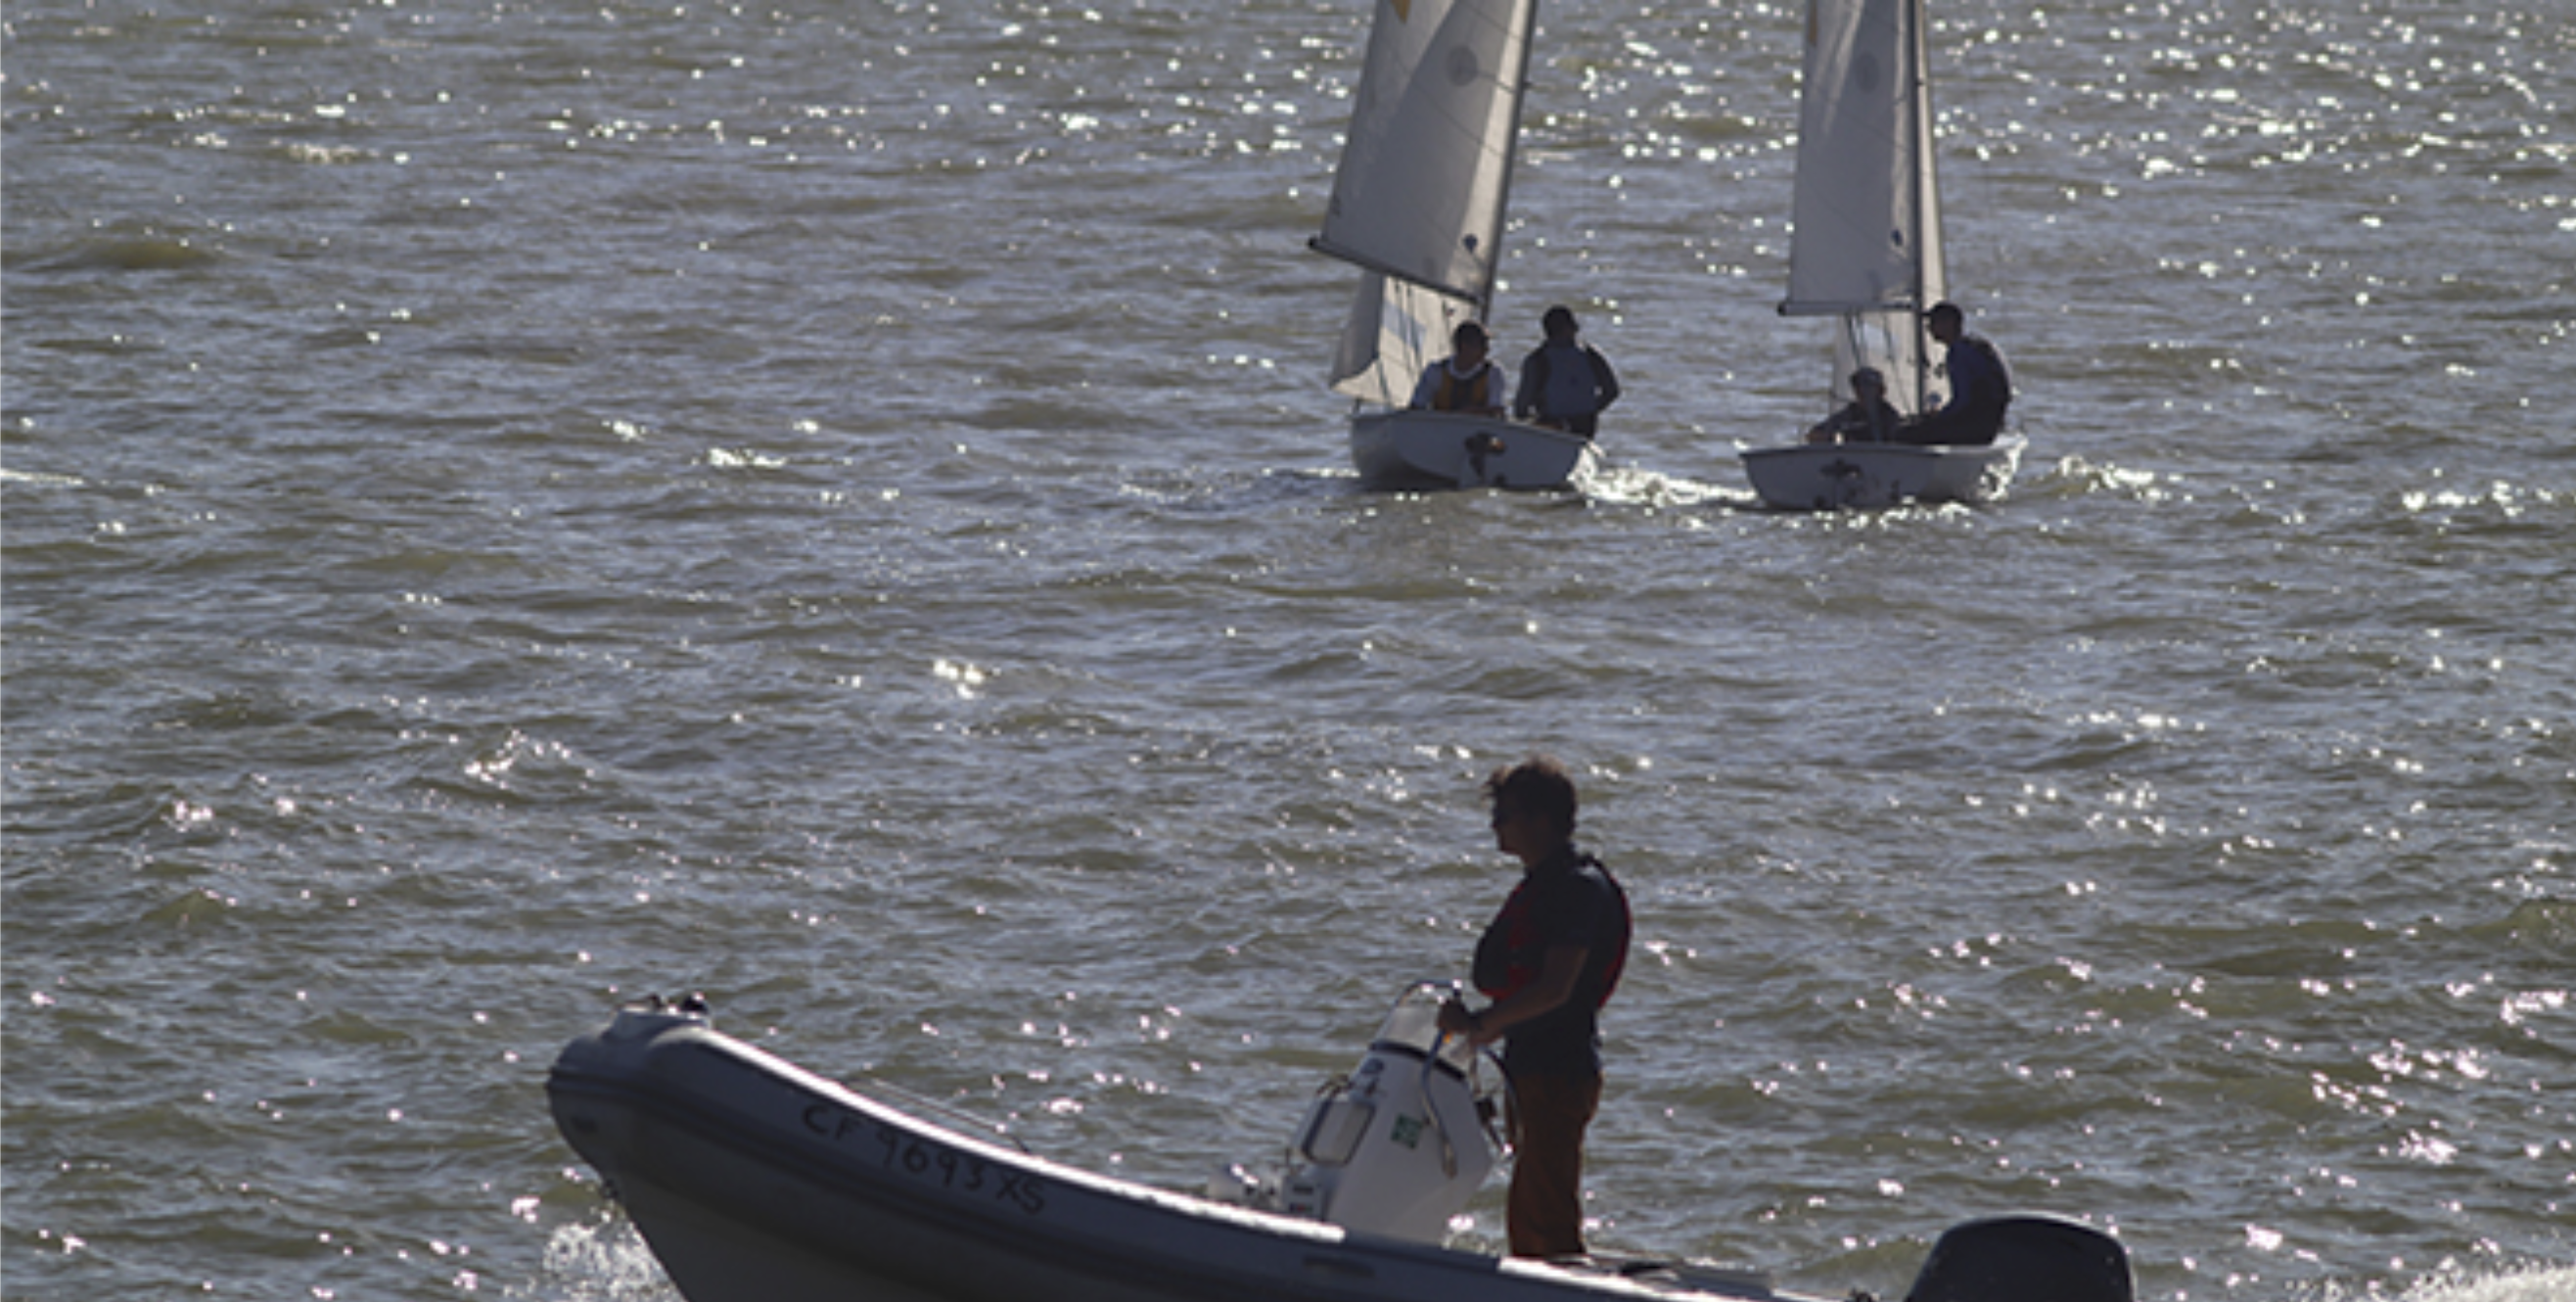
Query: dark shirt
{"points": [[1569, 899], [1980, 383], [1566, 384], [1980, 393]]}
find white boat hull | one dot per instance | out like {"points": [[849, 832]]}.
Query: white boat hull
{"points": [[1839, 476], [1438, 449]]}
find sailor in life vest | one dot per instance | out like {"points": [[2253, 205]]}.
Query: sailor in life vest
{"points": [[1548, 961], [1565, 383], [1464, 381]]}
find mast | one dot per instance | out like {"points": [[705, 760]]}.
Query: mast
{"points": [[1930, 273]]}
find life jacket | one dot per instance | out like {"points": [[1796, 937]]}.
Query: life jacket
{"points": [[1459, 392], [1519, 958]]}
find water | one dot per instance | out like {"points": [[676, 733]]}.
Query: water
{"points": [[513, 506]]}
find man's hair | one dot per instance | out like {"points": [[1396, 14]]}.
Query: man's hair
{"points": [[1537, 785]]}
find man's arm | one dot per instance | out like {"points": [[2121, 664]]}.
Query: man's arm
{"points": [[1555, 984], [1525, 401]]}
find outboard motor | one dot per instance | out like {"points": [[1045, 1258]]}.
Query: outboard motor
{"points": [[1398, 1146], [2024, 1259]]}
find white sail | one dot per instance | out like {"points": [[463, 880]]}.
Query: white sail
{"points": [[1395, 331], [1866, 243], [1426, 169]]}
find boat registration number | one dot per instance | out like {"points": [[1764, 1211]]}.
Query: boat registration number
{"points": [[928, 1161]]}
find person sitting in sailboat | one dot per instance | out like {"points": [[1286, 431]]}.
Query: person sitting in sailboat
{"points": [[1565, 383], [1464, 381], [1868, 418], [1980, 385]]}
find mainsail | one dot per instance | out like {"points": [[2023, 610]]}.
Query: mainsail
{"points": [[1424, 181], [1866, 241]]}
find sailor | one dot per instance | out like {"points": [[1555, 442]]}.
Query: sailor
{"points": [[1548, 961], [1868, 418], [1565, 383], [1980, 385], [1464, 381]]}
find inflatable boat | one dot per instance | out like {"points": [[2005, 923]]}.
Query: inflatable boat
{"points": [[755, 1180]]}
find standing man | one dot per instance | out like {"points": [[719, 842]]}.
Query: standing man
{"points": [[1980, 385], [1565, 383], [1549, 961]]}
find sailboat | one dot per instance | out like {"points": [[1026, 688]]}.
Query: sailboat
{"points": [[1865, 250], [1418, 206]]}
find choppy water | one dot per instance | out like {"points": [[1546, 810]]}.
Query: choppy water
{"points": [[513, 505]]}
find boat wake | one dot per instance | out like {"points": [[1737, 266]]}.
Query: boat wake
{"points": [[2537, 1283], [1637, 486]]}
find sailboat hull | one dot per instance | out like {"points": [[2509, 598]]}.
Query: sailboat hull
{"points": [[1842, 476], [1438, 449]]}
